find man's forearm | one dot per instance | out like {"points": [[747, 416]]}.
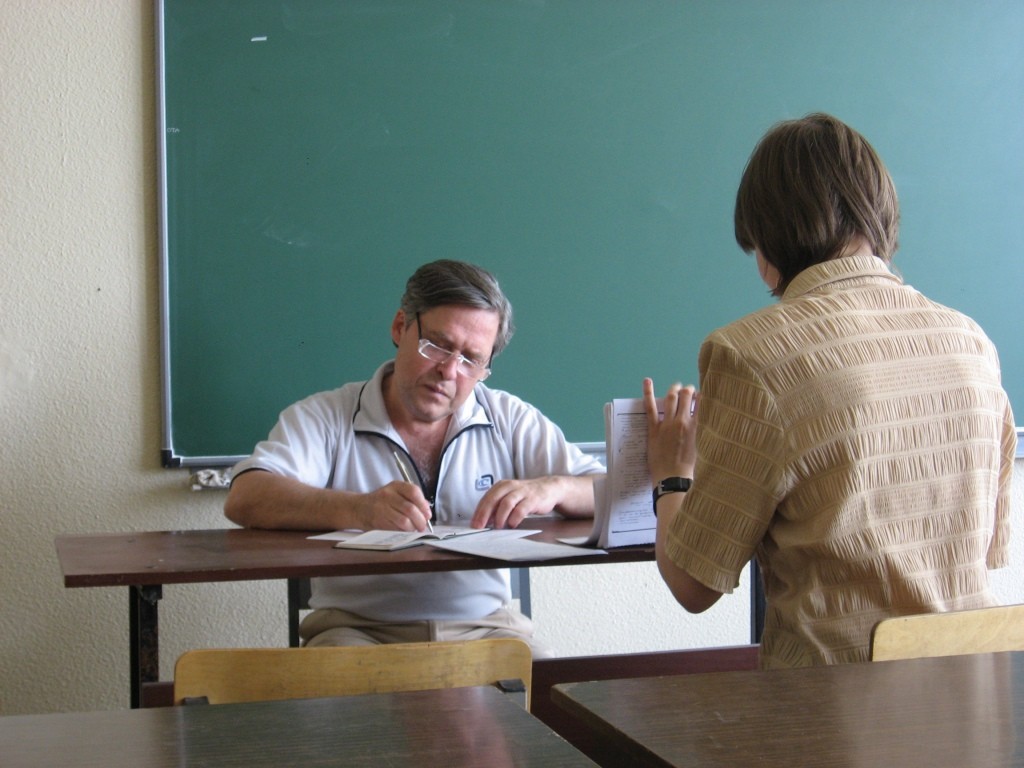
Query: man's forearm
{"points": [[578, 498], [260, 499]]}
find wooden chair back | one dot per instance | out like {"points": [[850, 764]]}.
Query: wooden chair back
{"points": [[228, 675], [984, 630]]}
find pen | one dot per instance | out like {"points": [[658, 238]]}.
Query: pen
{"points": [[408, 479]]}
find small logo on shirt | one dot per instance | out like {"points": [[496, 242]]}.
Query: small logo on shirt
{"points": [[484, 482]]}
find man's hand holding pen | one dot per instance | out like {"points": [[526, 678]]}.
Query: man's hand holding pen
{"points": [[408, 478]]}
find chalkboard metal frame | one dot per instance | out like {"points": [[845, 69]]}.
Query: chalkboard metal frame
{"points": [[167, 454]]}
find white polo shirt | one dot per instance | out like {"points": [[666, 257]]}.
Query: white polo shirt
{"points": [[344, 439]]}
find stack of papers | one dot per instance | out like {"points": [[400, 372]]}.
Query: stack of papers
{"points": [[623, 512], [512, 544]]}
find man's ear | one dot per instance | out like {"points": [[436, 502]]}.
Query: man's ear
{"points": [[397, 327]]}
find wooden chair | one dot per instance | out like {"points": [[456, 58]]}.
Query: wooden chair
{"points": [[226, 675], [984, 630]]}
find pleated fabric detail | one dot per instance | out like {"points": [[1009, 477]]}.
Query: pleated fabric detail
{"points": [[856, 438]]}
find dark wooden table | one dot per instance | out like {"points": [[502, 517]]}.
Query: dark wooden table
{"points": [[452, 728], [952, 712], [145, 561]]}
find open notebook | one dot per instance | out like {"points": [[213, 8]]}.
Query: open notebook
{"points": [[388, 541]]}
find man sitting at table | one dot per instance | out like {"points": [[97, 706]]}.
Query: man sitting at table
{"points": [[477, 456]]}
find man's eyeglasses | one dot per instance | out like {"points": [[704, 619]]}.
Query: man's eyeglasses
{"points": [[471, 369]]}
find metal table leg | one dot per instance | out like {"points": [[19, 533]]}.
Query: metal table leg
{"points": [[144, 637], [758, 606]]}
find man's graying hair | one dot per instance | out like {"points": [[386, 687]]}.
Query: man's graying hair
{"points": [[447, 283]]}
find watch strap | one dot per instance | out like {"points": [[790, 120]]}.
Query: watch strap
{"points": [[667, 486]]}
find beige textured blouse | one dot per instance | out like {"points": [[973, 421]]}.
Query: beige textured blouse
{"points": [[855, 437]]}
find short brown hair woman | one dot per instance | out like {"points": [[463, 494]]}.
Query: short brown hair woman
{"points": [[854, 437]]}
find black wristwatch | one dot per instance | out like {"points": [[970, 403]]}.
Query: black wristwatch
{"points": [[669, 485]]}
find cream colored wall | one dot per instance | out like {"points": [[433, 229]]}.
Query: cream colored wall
{"points": [[80, 397]]}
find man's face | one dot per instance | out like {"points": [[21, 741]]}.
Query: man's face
{"points": [[428, 391]]}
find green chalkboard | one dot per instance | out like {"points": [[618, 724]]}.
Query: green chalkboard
{"points": [[314, 152]]}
